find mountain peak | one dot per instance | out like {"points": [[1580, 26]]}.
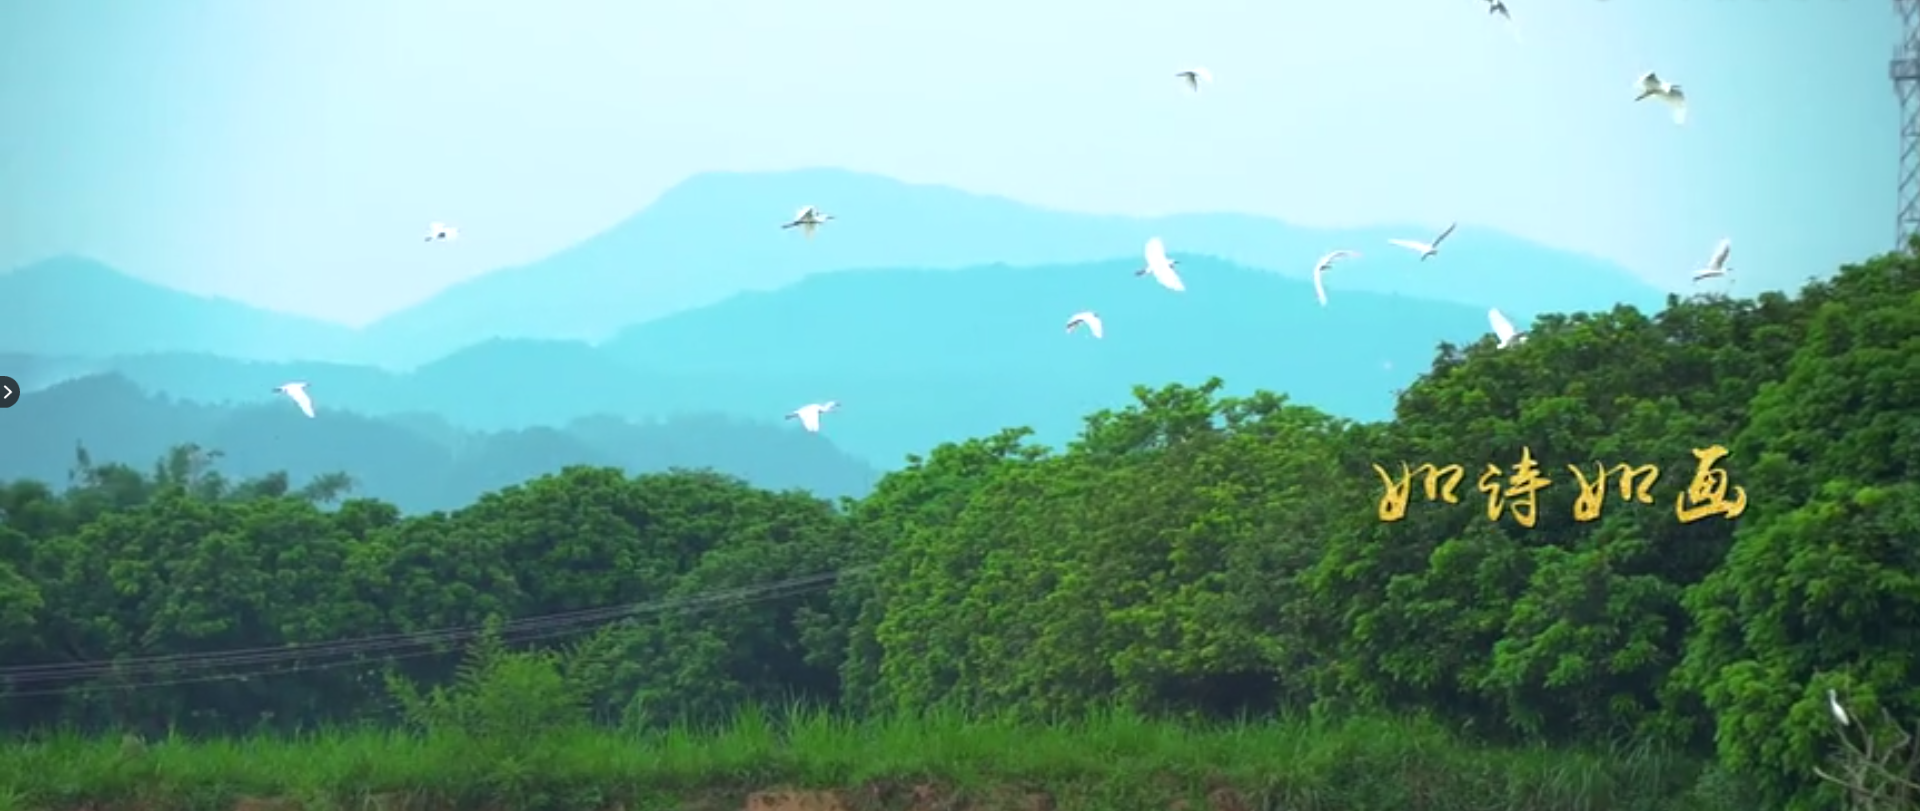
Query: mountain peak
{"points": [[70, 269], [79, 306], [852, 196], [718, 234], [801, 178]]}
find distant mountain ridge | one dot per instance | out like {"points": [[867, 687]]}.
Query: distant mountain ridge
{"points": [[74, 306], [716, 235], [916, 357], [415, 461]]}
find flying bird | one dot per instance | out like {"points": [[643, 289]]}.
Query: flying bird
{"points": [[807, 219], [298, 393], [1833, 704], [1194, 77], [1321, 267], [1651, 85], [1089, 318], [809, 415], [1161, 267], [1503, 329], [441, 232], [1500, 7], [1425, 249], [1717, 265]]}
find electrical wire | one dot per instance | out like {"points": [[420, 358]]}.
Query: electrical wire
{"points": [[533, 629], [392, 647], [263, 655]]}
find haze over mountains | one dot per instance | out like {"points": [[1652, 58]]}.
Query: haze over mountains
{"points": [[416, 461], [716, 234], [930, 313]]}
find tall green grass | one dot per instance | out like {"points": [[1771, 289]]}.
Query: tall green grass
{"points": [[1111, 761]]}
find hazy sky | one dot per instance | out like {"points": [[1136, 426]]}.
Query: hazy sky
{"points": [[290, 153]]}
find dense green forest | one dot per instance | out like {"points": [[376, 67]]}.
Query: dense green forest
{"points": [[1190, 556]]}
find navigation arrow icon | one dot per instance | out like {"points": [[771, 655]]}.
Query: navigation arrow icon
{"points": [[9, 391]]}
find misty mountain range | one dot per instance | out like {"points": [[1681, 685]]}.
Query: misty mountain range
{"points": [[931, 314], [416, 461], [716, 235]]}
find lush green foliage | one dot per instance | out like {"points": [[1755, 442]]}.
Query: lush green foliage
{"points": [[1192, 555]]}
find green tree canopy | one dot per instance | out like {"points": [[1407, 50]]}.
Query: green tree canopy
{"points": [[1191, 554]]}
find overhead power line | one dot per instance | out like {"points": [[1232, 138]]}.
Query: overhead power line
{"points": [[240, 663]]}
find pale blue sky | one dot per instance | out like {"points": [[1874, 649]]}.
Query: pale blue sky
{"points": [[289, 153]]}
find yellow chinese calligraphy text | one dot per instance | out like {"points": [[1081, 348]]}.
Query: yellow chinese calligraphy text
{"points": [[1593, 493], [1646, 475], [1393, 503], [1519, 495], [1707, 494], [1440, 483]]}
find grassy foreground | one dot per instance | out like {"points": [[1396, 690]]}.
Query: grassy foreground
{"points": [[1116, 761]]}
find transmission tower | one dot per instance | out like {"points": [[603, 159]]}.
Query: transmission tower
{"points": [[1905, 72]]}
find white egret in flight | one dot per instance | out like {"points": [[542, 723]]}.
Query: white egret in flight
{"points": [[1651, 85], [1717, 264], [1161, 266], [1426, 249], [298, 393], [1321, 267], [1089, 318], [1503, 329], [807, 219], [809, 415]]}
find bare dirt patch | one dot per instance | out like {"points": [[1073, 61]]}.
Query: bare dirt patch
{"points": [[796, 801]]}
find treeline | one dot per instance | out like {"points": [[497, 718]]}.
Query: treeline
{"points": [[418, 462], [1192, 555]]}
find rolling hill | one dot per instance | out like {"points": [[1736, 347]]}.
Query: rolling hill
{"points": [[416, 461], [715, 235], [918, 357], [77, 307]]}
